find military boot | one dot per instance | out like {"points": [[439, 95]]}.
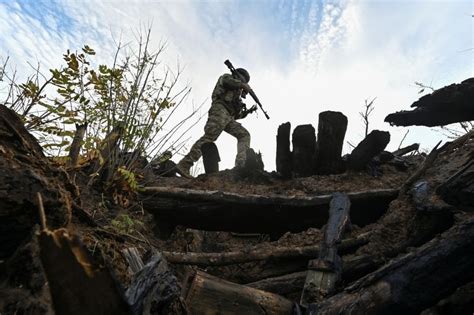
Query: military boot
{"points": [[183, 168]]}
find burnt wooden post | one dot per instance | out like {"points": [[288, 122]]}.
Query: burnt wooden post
{"points": [[325, 272], [283, 153], [304, 149], [210, 157], [367, 149], [331, 131]]}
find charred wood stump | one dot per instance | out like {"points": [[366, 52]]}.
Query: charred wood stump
{"points": [[413, 282], [210, 157], [459, 189], [284, 164], [304, 150], [371, 146], [325, 272], [210, 295], [331, 131]]}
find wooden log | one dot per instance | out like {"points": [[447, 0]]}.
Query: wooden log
{"points": [[406, 150], [407, 285], [284, 164], [304, 150], [210, 295], [372, 145], [353, 268], [458, 190], [225, 211], [155, 290], [331, 131], [325, 272], [76, 284], [132, 256], [258, 253], [210, 157], [445, 106]]}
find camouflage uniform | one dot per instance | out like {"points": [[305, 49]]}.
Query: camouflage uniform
{"points": [[226, 107]]}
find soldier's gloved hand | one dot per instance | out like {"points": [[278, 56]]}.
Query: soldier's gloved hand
{"points": [[252, 109], [245, 87]]}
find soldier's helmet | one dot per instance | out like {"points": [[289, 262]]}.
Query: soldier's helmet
{"points": [[244, 73]]}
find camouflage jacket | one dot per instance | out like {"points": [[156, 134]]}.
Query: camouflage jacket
{"points": [[228, 93]]}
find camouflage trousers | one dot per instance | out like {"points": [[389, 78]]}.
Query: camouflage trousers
{"points": [[220, 120]]}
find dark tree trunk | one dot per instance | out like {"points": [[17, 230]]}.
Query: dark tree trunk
{"points": [[331, 131], [304, 150], [371, 146], [413, 282], [284, 164], [210, 157]]}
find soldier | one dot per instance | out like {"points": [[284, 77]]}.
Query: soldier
{"points": [[227, 106]]}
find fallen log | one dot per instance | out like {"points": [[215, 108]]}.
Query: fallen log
{"points": [[407, 285], [274, 214], [256, 253], [324, 272], [331, 131], [450, 104], [367, 149], [304, 150], [210, 295], [284, 164], [353, 268]]}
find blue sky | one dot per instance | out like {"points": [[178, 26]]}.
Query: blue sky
{"points": [[304, 56]]}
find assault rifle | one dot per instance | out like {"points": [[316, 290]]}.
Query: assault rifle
{"points": [[251, 92]]}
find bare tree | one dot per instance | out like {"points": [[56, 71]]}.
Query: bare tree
{"points": [[368, 108]]}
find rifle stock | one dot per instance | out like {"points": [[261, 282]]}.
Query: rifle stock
{"points": [[251, 92]]}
